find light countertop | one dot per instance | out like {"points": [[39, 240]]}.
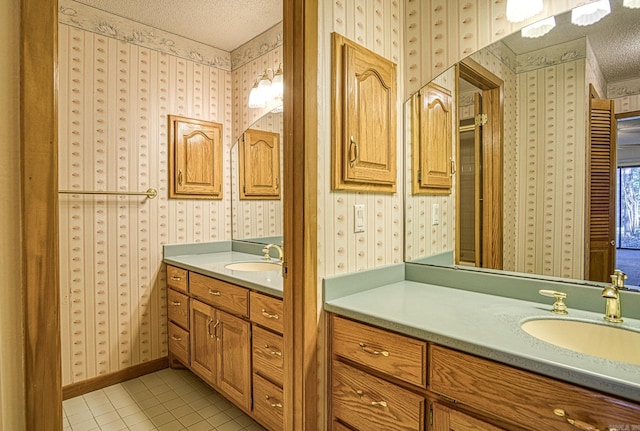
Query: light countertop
{"points": [[213, 264], [488, 326]]}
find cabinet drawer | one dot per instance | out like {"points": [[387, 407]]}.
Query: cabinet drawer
{"points": [[267, 403], [367, 402], [178, 308], [222, 295], [397, 355], [267, 311], [522, 397], [177, 278], [179, 343], [267, 354]]}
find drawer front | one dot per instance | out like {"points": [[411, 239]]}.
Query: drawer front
{"points": [[267, 355], [177, 278], [267, 403], [222, 295], [367, 402], [397, 355], [178, 308], [522, 397], [179, 343], [267, 311]]}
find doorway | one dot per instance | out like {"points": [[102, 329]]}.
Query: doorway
{"points": [[479, 189]]}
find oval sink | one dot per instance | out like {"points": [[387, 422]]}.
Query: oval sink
{"points": [[601, 340], [254, 266]]}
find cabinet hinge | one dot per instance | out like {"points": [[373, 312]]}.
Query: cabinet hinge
{"points": [[285, 269], [481, 119], [431, 414]]}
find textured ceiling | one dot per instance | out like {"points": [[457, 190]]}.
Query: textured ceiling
{"points": [[615, 41], [223, 24]]}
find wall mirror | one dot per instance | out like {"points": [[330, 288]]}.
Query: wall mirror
{"points": [[256, 172], [535, 207]]}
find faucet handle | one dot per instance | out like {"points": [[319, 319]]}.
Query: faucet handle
{"points": [[620, 277], [559, 307]]}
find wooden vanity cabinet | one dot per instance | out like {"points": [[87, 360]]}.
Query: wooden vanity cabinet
{"points": [[268, 360], [374, 385], [231, 337]]}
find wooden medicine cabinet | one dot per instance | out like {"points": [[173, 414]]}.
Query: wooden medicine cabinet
{"points": [[259, 167], [364, 105], [195, 158]]}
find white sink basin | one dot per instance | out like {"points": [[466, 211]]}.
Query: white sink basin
{"points": [[604, 341], [254, 266]]}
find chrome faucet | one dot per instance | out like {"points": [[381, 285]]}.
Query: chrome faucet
{"points": [[612, 311], [266, 249]]}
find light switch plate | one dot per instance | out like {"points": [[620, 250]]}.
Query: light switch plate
{"points": [[435, 214], [358, 218]]}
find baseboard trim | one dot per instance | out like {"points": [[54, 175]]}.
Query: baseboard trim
{"points": [[76, 389]]}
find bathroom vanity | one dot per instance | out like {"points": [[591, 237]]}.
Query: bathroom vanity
{"points": [[226, 327], [408, 355]]}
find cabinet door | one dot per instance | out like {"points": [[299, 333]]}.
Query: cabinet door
{"points": [[234, 360], [203, 340], [260, 165], [432, 150], [365, 118], [195, 160], [446, 419]]}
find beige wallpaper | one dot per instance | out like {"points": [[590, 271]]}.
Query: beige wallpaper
{"points": [[113, 107], [12, 407], [377, 25]]}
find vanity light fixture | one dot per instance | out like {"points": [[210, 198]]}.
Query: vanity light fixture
{"points": [[538, 29], [519, 10], [631, 4], [590, 13], [267, 90]]}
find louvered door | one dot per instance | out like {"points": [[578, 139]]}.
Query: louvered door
{"points": [[601, 191]]}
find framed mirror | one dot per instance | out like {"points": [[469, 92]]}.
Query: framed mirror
{"points": [[543, 187], [256, 159]]}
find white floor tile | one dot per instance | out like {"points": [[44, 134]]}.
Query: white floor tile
{"points": [[168, 400]]}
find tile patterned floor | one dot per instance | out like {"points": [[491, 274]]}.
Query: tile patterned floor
{"points": [[167, 400]]}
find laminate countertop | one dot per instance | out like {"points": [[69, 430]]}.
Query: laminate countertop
{"points": [[488, 326], [213, 264]]}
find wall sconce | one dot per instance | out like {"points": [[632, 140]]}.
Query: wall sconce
{"points": [[519, 10], [267, 90], [590, 13], [538, 29], [631, 4]]}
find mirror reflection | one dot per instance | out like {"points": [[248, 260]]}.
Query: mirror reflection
{"points": [[537, 185], [256, 170]]}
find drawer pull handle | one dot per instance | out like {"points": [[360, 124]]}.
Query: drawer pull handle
{"points": [[176, 303], [373, 403], [274, 405], [272, 351], [215, 330], [209, 333], [576, 423], [176, 278], [177, 338], [214, 292], [266, 314], [373, 352]]}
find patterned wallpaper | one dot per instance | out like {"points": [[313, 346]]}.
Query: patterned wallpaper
{"points": [[116, 90], [377, 25]]}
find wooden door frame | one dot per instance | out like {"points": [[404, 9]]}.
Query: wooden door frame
{"points": [[39, 196], [39, 175], [492, 160], [300, 214]]}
